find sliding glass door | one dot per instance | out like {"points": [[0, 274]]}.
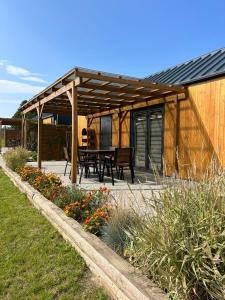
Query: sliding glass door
{"points": [[106, 132], [147, 138]]}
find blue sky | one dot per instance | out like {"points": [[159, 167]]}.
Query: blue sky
{"points": [[41, 40]]}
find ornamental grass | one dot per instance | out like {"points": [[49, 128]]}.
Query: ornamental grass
{"points": [[181, 246], [16, 158]]}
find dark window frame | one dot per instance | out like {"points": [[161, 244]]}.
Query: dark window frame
{"points": [[106, 116], [149, 110]]}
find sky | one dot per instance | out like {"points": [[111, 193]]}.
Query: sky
{"points": [[41, 40]]}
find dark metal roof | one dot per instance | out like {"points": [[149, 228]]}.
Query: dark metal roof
{"points": [[197, 69]]}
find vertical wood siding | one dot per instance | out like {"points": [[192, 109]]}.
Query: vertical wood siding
{"points": [[201, 133], [202, 127], [82, 123], [96, 126], [125, 131]]}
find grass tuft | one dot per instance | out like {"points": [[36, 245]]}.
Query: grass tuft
{"points": [[181, 246]]}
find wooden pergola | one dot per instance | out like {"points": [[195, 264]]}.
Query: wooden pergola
{"points": [[10, 121], [22, 123], [93, 93]]}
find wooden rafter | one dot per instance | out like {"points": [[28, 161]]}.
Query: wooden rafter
{"points": [[119, 90], [53, 95], [126, 80], [99, 92], [109, 95]]}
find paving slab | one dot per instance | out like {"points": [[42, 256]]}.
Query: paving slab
{"points": [[124, 193]]}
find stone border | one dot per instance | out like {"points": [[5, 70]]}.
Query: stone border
{"points": [[119, 278]]}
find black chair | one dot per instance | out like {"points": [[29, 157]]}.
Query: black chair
{"points": [[68, 161], [67, 158], [122, 159], [85, 162]]}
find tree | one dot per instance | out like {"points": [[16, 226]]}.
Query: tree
{"points": [[18, 113]]}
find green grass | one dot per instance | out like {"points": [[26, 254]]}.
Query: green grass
{"points": [[35, 262]]}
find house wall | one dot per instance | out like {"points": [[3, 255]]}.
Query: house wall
{"points": [[201, 129], [82, 123], [49, 120], [202, 126]]}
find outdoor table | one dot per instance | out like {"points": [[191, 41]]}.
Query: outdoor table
{"points": [[101, 153]]}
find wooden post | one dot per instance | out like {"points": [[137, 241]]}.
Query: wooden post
{"points": [[73, 100], [121, 118], [176, 134], [1, 137], [25, 132], [22, 132], [39, 139], [119, 129]]}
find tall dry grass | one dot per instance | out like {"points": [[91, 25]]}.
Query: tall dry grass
{"points": [[16, 158], [181, 245]]}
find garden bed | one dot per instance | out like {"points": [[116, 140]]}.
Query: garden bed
{"points": [[118, 276], [36, 263], [177, 241]]}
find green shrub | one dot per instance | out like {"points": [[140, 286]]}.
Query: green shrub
{"points": [[46, 183], [114, 233], [16, 158], [97, 220], [182, 244], [63, 196], [34, 155], [29, 173], [83, 205]]}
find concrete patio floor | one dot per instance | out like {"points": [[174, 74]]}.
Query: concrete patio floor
{"points": [[124, 193]]}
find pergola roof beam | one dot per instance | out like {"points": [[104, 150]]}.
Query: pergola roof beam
{"points": [[99, 91], [128, 80], [122, 91], [110, 95]]}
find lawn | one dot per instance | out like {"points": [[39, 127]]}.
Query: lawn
{"points": [[35, 262]]}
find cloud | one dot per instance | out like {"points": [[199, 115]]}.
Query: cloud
{"points": [[17, 71], [15, 87], [3, 62], [21, 72], [34, 79]]}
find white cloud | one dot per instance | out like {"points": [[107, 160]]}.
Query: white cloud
{"points": [[17, 71], [21, 72], [15, 87], [34, 79], [3, 62]]}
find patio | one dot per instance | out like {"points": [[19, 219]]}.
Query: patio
{"points": [[123, 192]]}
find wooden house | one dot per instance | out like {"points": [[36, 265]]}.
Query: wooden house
{"points": [[176, 136], [174, 119]]}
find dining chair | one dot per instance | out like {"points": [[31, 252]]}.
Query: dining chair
{"points": [[112, 159], [67, 158], [122, 159], [85, 162]]}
